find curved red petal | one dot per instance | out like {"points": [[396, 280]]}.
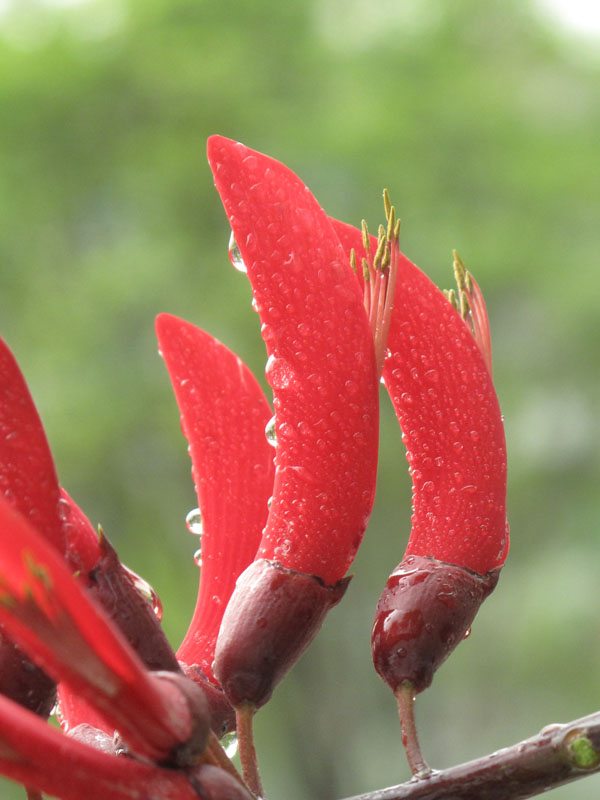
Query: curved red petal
{"points": [[321, 362], [40, 757], [223, 417], [27, 474], [73, 711], [82, 545], [444, 398], [47, 613]]}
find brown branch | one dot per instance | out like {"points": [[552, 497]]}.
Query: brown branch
{"points": [[557, 755]]}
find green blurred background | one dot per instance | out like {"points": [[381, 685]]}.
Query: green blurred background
{"points": [[482, 119]]}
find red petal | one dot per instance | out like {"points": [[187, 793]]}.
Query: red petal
{"points": [[82, 545], [223, 416], [321, 362], [45, 611], [27, 474], [74, 711], [445, 400], [38, 756]]}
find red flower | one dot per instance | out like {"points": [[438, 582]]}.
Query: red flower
{"points": [[270, 570], [54, 620], [438, 374], [223, 416], [322, 369]]}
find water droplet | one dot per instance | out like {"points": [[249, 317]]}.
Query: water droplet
{"points": [[193, 521], [406, 398], [63, 509], [235, 256], [229, 742], [458, 447], [144, 589], [198, 557], [432, 375], [467, 633], [271, 433], [279, 373]]}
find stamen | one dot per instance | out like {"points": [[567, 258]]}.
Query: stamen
{"points": [[471, 306], [365, 237], [353, 260], [379, 273]]}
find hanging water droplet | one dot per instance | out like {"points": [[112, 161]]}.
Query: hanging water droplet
{"points": [[229, 742], [193, 521], [198, 557], [271, 433], [144, 589], [270, 502], [235, 256], [467, 633]]}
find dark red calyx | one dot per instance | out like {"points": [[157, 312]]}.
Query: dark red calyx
{"points": [[112, 586], [270, 620], [23, 681], [425, 610], [222, 715], [213, 783]]}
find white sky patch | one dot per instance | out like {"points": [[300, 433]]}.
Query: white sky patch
{"points": [[579, 16]]}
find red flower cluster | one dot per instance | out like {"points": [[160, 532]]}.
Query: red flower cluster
{"points": [[281, 515]]}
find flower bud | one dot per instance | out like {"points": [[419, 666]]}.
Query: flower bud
{"points": [[425, 610], [271, 618]]}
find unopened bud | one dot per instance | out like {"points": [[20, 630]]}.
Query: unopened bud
{"points": [[270, 620], [425, 610]]}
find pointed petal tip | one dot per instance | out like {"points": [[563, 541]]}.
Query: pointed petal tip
{"points": [[218, 147]]}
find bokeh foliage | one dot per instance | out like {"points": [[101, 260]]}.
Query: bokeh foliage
{"points": [[483, 123]]}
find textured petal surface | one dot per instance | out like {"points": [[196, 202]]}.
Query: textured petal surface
{"points": [[27, 474], [452, 426], [82, 545], [39, 756], [45, 611], [223, 416], [321, 362]]}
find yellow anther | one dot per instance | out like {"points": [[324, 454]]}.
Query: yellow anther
{"points": [[380, 249], [391, 223], [386, 203], [365, 236], [353, 260], [386, 257]]}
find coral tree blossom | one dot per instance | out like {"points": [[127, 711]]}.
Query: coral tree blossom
{"points": [[438, 374], [279, 526], [82, 631], [321, 367]]}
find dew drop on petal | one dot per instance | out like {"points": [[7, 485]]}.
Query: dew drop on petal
{"points": [[235, 256], [63, 508], [144, 589], [271, 433], [198, 557], [229, 743], [193, 521]]}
